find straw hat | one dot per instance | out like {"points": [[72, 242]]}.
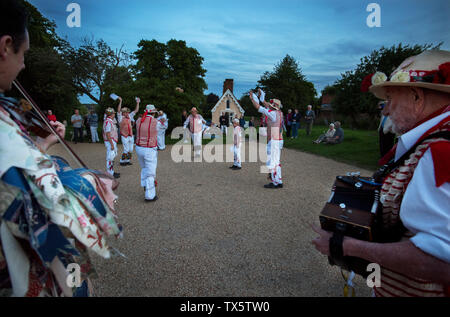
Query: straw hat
{"points": [[109, 111], [150, 108], [275, 103], [125, 109], [430, 69]]}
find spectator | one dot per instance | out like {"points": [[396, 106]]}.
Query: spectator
{"points": [[242, 122], [251, 123], [87, 129], [77, 123], [93, 124], [289, 123], [295, 124], [51, 116], [338, 135], [329, 134], [184, 116], [222, 122], [309, 116]]}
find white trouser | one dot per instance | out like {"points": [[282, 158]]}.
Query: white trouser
{"points": [[237, 155], [127, 143], [197, 141], [161, 140], [224, 129], [94, 134], [273, 160], [110, 156], [148, 159]]}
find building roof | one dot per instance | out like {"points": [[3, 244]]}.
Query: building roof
{"points": [[228, 92]]}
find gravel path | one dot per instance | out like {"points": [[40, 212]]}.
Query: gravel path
{"points": [[218, 232]]}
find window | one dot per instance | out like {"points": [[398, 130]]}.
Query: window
{"points": [[228, 104]]}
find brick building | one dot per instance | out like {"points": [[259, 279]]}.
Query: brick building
{"points": [[228, 103]]}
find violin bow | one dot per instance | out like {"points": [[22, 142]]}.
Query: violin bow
{"points": [[44, 119]]}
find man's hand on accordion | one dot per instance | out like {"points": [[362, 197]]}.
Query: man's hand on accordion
{"points": [[322, 242]]}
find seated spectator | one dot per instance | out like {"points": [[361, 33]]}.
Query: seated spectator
{"points": [[329, 134], [338, 136]]}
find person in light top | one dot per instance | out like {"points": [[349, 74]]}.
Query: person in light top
{"points": [[237, 141], [125, 117], [162, 117], [195, 122]]}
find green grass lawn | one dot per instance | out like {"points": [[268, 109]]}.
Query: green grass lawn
{"points": [[360, 147]]}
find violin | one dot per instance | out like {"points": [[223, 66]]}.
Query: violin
{"points": [[30, 116]]}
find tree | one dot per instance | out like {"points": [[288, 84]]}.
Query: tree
{"points": [[349, 100], [287, 83], [160, 68], [90, 64], [46, 77]]}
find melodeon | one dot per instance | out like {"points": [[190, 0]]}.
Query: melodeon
{"points": [[352, 210]]}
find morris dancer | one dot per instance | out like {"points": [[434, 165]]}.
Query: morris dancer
{"points": [[237, 141], [162, 133], [274, 137], [126, 131], [147, 128], [195, 122], [110, 137]]}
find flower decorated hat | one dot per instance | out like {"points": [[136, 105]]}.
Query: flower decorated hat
{"points": [[430, 69], [275, 103]]}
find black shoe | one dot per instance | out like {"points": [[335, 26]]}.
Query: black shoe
{"points": [[129, 163], [236, 168], [123, 164], [116, 175], [231, 167], [272, 185], [150, 200]]}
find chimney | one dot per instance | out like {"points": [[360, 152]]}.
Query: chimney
{"points": [[227, 84]]}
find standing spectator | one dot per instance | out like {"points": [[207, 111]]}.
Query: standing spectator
{"points": [[309, 116], [51, 116], [289, 123], [93, 126], [222, 122], [227, 120], [184, 116], [87, 127], [251, 123], [295, 124], [77, 123], [242, 122]]}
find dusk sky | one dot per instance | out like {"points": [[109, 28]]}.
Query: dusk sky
{"points": [[243, 39]]}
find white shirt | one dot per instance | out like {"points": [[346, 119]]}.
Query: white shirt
{"points": [[272, 115], [120, 116], [425, 209]]}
